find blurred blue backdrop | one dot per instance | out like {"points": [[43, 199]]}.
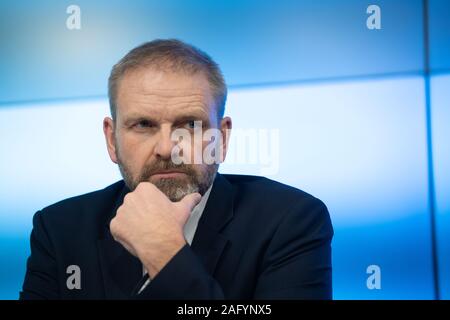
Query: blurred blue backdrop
{"points": [[363, 117]]}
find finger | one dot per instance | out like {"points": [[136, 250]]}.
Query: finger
{"points": [[191, 200], [185, 206]]}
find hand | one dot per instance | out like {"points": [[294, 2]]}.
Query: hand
{"points": [[150, 226]]}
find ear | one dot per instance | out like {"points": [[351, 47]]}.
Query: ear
{"points": [[108, 130], [225, 128]]}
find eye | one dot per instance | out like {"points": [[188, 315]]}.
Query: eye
{"points": [[142, 124], [192, 124]]}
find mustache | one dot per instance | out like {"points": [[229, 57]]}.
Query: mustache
{"points": [[159, 166]]}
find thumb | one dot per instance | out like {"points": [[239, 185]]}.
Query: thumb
{"points": [[191, 200], [186, 205]]}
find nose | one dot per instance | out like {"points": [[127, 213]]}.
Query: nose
{"points": [[164, 145]]}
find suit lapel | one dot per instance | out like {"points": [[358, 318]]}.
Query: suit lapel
{"points": [[208, 242]]}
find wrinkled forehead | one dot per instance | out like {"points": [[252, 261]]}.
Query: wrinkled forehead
{"points": [[163, 93]]}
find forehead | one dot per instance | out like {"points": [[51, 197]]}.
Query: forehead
{"points": [[163, 93]]}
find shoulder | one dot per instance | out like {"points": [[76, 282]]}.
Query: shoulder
{"points": [[88, 207], [269, 191], [274, 203]]}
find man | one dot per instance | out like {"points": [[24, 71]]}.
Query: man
{"points": [[174, 228]]}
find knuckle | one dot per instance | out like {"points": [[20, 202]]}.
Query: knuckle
{"points": [[127, 197], [119, 212], [113, 225], [145, 185], [142, 185]]}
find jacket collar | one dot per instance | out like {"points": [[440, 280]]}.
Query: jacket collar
{"points": [[209, 242]]}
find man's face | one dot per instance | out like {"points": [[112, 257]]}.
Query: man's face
{"points": [[151, 105]]}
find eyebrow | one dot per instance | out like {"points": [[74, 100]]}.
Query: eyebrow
{"points": [[190, 117], [134, 118]]}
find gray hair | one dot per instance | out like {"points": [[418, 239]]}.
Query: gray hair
{"points": [[173, 55]]}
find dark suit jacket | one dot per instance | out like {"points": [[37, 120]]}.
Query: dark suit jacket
{"points": [[256, 239]]}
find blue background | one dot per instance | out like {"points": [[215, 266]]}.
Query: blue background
{"points": [[363, 117]]}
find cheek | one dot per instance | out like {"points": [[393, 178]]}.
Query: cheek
{"points": [[187, 150], [199, 169], [134, 151], [194, 148]]}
